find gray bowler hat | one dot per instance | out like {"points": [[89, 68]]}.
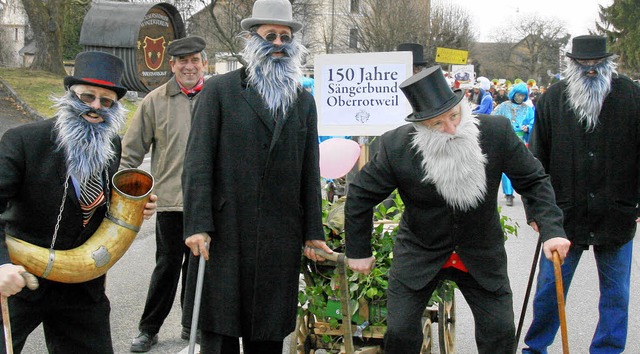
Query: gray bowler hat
{"points": [[185, 46], [272, 12]]}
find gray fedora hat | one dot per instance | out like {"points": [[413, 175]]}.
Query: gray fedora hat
{"points": [[272, 12]]}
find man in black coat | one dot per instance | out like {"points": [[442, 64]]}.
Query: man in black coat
{"points": [[447, 165], [587, 137], [54, 192], [251, 187]]}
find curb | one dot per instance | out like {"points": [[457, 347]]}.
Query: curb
{"points": [[32, 113]]}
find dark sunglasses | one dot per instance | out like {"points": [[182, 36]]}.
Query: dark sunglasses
{"points": [[89, 98], [285, 38]]}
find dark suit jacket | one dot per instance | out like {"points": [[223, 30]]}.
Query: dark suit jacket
{"points": [[32, 179], [430, 230]]}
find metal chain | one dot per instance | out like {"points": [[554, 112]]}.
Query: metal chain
{"points": [[64, 198]]}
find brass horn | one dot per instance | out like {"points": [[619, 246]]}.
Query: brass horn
{"points": [[131, 191]]}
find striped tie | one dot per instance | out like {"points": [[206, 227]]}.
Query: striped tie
{"points": [[91, 197]]}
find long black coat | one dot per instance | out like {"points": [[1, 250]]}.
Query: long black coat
{"points": [[430, 230], [32, 178], [254, 186], [596, 175]]}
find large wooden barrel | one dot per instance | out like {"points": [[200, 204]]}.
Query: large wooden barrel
{"points": [[138, 34]]}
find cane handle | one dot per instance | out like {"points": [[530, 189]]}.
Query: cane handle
{"points": [[30, 279]]}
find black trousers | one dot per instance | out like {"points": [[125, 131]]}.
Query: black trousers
{"points": [[492, 313], [72, 321], [171, 259], [213, 343]]}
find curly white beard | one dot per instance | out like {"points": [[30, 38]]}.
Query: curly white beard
{"points": [[455, 164], [587, 94], [88, 147], [275, 79]]}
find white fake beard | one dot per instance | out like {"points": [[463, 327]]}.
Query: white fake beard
{"points": [[587, 94], [275, 79], [455, 164], [87, 146]]}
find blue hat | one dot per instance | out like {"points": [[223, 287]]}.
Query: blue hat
{"points": [[97, 69]]}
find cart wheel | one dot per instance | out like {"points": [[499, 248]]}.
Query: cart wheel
{"points": [[447, 326], [427, 337]]}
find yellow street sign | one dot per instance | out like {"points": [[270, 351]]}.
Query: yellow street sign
{"points": [[451, 56]]}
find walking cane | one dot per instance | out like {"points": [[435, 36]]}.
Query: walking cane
{"points": [[196, 304], [32, 283], [560, 293], [534, 265]]}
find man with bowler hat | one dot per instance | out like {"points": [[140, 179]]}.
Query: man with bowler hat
{"points": [[251, 185], [446, 164], [161, 124], [54, 193], [417, 51], [586, 136]]}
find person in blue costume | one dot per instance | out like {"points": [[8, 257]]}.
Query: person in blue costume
{"points": [[485, 104], [521, 116]]}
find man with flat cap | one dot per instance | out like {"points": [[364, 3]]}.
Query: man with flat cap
{"points": [[446, 164], [251, 188], [161, 124], [54, 194], [586, 136]]}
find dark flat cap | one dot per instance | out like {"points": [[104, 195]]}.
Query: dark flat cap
{"points": [[186, 46]]}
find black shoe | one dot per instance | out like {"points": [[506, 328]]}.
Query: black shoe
{"points": [[509, 200], [186, 334], [143, 342]]}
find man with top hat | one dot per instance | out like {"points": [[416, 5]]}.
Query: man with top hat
{"points": [[54, 192], [446, 165], [417, 50], [161, 124], [251, 187], [586, 136]]}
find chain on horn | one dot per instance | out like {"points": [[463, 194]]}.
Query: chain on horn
{"points": [[131, 191]]}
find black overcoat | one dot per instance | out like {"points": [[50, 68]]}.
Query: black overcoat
{"points": [[430, 230], [595, 174], [32, 178], [254, 186]]}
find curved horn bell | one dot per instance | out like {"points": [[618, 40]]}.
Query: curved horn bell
{"points": [[131, 191]]}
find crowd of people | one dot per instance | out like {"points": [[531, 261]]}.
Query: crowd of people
{"points": [[252, 210]]}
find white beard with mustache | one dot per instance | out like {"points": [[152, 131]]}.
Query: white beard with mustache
{"points": [[87, 146], [275, 79], [587, 94], [455, 164]]}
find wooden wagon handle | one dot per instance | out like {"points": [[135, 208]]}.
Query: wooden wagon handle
{"points": [[334, 257], [560, 294]]}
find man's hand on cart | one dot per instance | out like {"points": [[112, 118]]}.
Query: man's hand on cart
{"points": [[361, 265], [310, 246], [198, 244]]}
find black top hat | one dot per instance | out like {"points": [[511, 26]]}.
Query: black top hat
{"points": [[429, 94], [589, 47], [97, 69], [416, 49]]}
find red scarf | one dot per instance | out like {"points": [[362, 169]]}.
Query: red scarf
{"points": [[194, 90]]}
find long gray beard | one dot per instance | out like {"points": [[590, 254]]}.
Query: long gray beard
{"points": [[87, 146], [275, 79], [455, 164], [587, 94]]}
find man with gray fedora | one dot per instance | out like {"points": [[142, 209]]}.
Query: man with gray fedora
{"points": [[446, 164], [251, 188], [586, 136]]}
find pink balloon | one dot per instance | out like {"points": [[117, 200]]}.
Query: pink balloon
{"points": [[337, 157]]}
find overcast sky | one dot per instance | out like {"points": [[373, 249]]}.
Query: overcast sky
{"points": [[578, 15]]}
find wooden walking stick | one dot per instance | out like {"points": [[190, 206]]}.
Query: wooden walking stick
{"points": [[32, 283], [560, 293]]}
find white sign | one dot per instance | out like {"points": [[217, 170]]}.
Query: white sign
{"points": [[359, 94]]}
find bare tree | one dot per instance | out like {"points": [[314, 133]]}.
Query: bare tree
{"points": [[534, 47], [46, 20]]}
